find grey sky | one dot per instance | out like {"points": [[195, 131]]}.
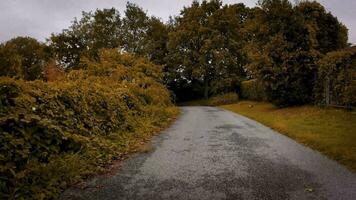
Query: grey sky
{"points": [[40, 18]]}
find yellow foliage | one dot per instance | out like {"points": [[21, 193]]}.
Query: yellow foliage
{"points": [[89, 117]]}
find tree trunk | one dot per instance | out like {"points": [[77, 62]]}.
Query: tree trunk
{"points": [[206, 88], [327, 91]]}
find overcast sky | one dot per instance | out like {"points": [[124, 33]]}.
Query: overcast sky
{"points": [[40, 18]]}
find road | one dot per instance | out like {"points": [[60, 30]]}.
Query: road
{"points": [[210, 153]]}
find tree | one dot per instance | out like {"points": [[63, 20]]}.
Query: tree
{"points": [[281, 50], [336, 83], [155, 41], [10, 63], [144, 35], [135, 26], [285, 43], [205, 48], [134, 33], [23, 57], [228, 42], [331, 35], [94, 31]]}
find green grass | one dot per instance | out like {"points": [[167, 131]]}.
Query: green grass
{"points": [[330, 131]]}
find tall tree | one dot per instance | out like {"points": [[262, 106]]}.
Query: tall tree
{"points": [[331, 35], [94, 31], [228, 42], [135, 33], [155, 41], [135, 27], [281, 51], [205, 47], [284, 45]]}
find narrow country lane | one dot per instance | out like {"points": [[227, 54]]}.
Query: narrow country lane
{"points": [[209, 153]]}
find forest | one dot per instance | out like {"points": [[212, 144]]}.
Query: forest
{"points": [[92, 92]]}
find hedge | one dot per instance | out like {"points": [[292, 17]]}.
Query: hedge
{"points": [[54, 134], [336, 84], [223, 99], [253, 90]]}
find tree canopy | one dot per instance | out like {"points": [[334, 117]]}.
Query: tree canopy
{"points": [[330, 34], [208, 49], [94, 31], [205, 48], [23, 57], [284, 45]]}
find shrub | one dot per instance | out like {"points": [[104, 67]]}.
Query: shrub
{"points": [[253, 90], [53, 72], [223, 99], [337, 78], [54, 134]]}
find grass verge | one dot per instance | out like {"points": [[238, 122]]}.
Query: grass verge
{"points": [[330, 131]]}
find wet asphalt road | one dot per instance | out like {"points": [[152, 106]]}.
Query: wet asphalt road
{"points": [[210, 153]]}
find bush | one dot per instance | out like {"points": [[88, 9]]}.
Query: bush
{"points": [[337, 78], [54, 134], [253, 90], [223, 99]]}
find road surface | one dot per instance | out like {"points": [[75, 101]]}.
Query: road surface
{"points": [[210, 153]]}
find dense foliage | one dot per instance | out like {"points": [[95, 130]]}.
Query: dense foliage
{"points": [[217, 100], [329, 33], [253, 90], [135, 32], [205, 49], [284, 45], [87, 36], [223, 99], [336, 83], [23, 57], [56, 133]]}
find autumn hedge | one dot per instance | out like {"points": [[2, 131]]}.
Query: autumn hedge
{"points": [[336, 83], [54, 134]]}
